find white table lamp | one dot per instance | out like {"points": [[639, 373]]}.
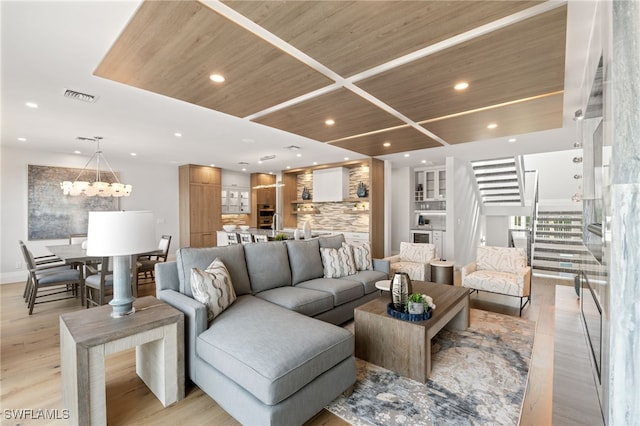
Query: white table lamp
{"points": [[121, 234]]}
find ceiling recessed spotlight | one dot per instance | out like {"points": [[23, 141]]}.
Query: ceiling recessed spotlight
{"points": [[22, 139], [298, 155], [77, 152], [424, 161], [244, 169], [216, 78], [461, 85], [31, 104], [177, 134], [386, 144], [329, 122], [492, 126], [133, 154], [346, 158], [259, 161], [315, 163], [407, 155], [512, 140], [212, 165], [288, 167]]}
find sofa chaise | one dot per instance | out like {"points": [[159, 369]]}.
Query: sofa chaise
{"points": [[275, 355]]}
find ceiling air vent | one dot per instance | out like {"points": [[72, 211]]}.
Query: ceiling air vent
{"points": [[292, 147], [267, 157], [72, 94]]}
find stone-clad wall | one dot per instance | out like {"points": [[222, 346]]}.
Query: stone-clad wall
{"points": [[336, 216]]}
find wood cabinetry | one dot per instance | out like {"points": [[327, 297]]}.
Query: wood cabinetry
{"points": [[263, 200], [373, 179], [200, 205]]}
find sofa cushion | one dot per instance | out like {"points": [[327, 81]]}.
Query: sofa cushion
{"points": [[337, 263], [269, 351], [342, 290], [361, 256], [267, 265], [495, 281], [213, 287], [368, 279], [304, 260], [232, 256], [505, 259], [417, 252], [303, 300], [334, 241]]}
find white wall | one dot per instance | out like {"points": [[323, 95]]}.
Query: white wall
{"points": [[155, 188], [465, 225], [497, 231], [556, 184]]}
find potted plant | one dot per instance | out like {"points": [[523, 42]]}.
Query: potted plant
{"points": [[419, 303]]}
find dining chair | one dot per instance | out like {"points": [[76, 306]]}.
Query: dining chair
{"points": [[147, 262], [49, 261], [98, 282], [246, 238], [261, 238], [77, 238], [232, 238], [45, 282]]}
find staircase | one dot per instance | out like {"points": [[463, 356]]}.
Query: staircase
{"points": [[499, 181], [558, 246]]}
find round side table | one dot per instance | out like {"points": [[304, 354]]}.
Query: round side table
{"points": [[383, 285], [442, 272]]}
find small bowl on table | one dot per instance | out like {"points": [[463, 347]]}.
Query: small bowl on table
{"points": [[229, 228], [244, 227]]}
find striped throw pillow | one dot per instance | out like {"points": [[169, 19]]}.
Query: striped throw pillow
{"points": [[337, 262], [213, 287], [361, 256]]}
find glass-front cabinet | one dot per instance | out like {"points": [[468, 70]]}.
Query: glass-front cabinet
{"points": [[430, 185], [235, 200]]}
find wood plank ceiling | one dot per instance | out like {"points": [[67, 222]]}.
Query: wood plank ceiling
{"points": [[384, 70]]}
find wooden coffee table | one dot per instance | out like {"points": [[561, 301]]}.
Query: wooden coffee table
{"points": [[405, 346]]}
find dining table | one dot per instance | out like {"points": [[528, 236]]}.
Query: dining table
{"points": [[76, 254]]}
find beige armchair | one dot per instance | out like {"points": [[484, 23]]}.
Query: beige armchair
{"points": [[501, 270], [414, 259]]}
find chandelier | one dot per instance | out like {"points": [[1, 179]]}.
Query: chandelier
{"points": [[98, 187]]}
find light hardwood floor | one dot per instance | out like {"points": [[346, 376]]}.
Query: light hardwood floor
{"points": [[30, 363]]}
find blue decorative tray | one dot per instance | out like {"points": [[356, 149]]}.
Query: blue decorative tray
{"points": [[405, 316]]}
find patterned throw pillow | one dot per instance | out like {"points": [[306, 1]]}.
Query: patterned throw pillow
{"points": [[361, 256], [337, 262], [213, 287]]}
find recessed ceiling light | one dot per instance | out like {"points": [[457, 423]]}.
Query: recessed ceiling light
{"points": [[512, 140], [212, 165], [346, 158], [461, 85], [259, 161], [298, 155], [407, 155], [492, 126], [288, 167], [329, 122], [77, 152], [216, 78], [133, 154], [315, 163], [386, 144], [424, 161], [31, 104], [177, 134], [22, 139], [244, 169]]}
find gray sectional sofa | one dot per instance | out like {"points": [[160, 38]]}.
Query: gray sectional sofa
{"points": [[274, 357]]}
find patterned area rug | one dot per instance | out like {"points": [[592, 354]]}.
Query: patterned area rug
{"points": [[478, 377]]}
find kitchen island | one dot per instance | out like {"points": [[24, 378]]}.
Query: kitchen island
{"points": [[223, 239]]}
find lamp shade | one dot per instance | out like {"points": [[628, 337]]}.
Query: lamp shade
{"points": [[120, 233]]}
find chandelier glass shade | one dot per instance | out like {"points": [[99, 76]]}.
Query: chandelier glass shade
{"points": [[98, 187]]}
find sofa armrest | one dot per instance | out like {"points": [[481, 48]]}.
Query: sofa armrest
{"points": [[382, 265], [195, 315], [393, 259], [166, 276], [467, 269], [524, 281]]}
